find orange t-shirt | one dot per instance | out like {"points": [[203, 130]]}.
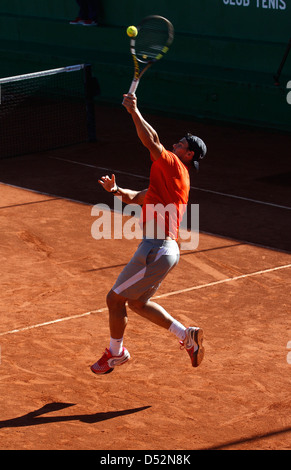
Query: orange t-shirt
{"points": [[169, 188]]}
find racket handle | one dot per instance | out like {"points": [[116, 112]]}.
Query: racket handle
{"points": [[133, 86]]}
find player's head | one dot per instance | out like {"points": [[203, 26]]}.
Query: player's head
{"points": [[190, 149], [199, 148]]}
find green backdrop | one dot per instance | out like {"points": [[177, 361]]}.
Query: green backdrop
{"points": [[220, 67]]}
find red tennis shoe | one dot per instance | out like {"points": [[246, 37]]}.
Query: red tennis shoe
{"points": [[193, 345], [77, 21], [107, 362]]}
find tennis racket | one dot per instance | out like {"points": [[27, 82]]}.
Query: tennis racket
{"points": [[155, 35]]}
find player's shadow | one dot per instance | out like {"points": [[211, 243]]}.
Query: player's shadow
{"points": [[36, 417]]}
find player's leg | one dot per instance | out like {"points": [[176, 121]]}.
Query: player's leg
{"points": [[152, 311], [133, 271], [190, 338], [117, 314], [116, 354]]}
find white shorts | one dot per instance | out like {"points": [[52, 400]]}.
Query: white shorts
{"points": [[150, 264]]}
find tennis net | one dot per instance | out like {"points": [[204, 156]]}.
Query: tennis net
{"points": [[46, 110]]}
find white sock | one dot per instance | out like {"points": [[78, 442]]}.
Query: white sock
{"points": [[116, 346], [178, 329]]}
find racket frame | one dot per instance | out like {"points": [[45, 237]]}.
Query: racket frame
{"points": [[138, 73]]}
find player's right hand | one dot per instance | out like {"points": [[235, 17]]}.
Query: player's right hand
{"points": [[108, 183]]}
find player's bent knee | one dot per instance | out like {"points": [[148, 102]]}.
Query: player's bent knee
{"points": [[114, 300]]}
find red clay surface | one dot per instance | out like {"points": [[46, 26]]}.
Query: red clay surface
{"points": [[52, 269]]}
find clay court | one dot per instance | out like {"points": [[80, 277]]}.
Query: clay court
{"points": [[235, 285]]}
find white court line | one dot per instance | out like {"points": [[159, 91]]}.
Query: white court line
{"points": [[168, 294], [233, 196], [235, 278], [52, 322]]}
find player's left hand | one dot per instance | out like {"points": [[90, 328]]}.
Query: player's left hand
{"points": [[130, 102]]}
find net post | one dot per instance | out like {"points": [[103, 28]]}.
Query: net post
{"points": [[91, 90]]}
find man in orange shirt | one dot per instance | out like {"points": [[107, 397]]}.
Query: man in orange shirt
{"points": [[158, 252]]}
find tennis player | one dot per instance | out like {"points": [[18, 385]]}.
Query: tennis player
{"points": [[156, 255]]}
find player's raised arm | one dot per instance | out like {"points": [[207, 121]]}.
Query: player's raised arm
{"points": [[145, 132]]}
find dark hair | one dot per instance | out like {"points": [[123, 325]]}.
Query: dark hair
{"points": [[197, 146]]}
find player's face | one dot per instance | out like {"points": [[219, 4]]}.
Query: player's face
{"points": [[181, 149]]}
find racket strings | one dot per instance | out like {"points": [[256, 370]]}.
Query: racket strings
{"points": [[152, 39]]}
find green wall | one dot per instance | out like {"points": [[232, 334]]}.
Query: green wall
{"points": [[220, 67]]}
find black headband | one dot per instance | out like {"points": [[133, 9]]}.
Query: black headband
{"points": [[197, 146]]}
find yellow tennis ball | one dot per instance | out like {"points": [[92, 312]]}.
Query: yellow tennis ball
{"points": [[132, 31]]}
